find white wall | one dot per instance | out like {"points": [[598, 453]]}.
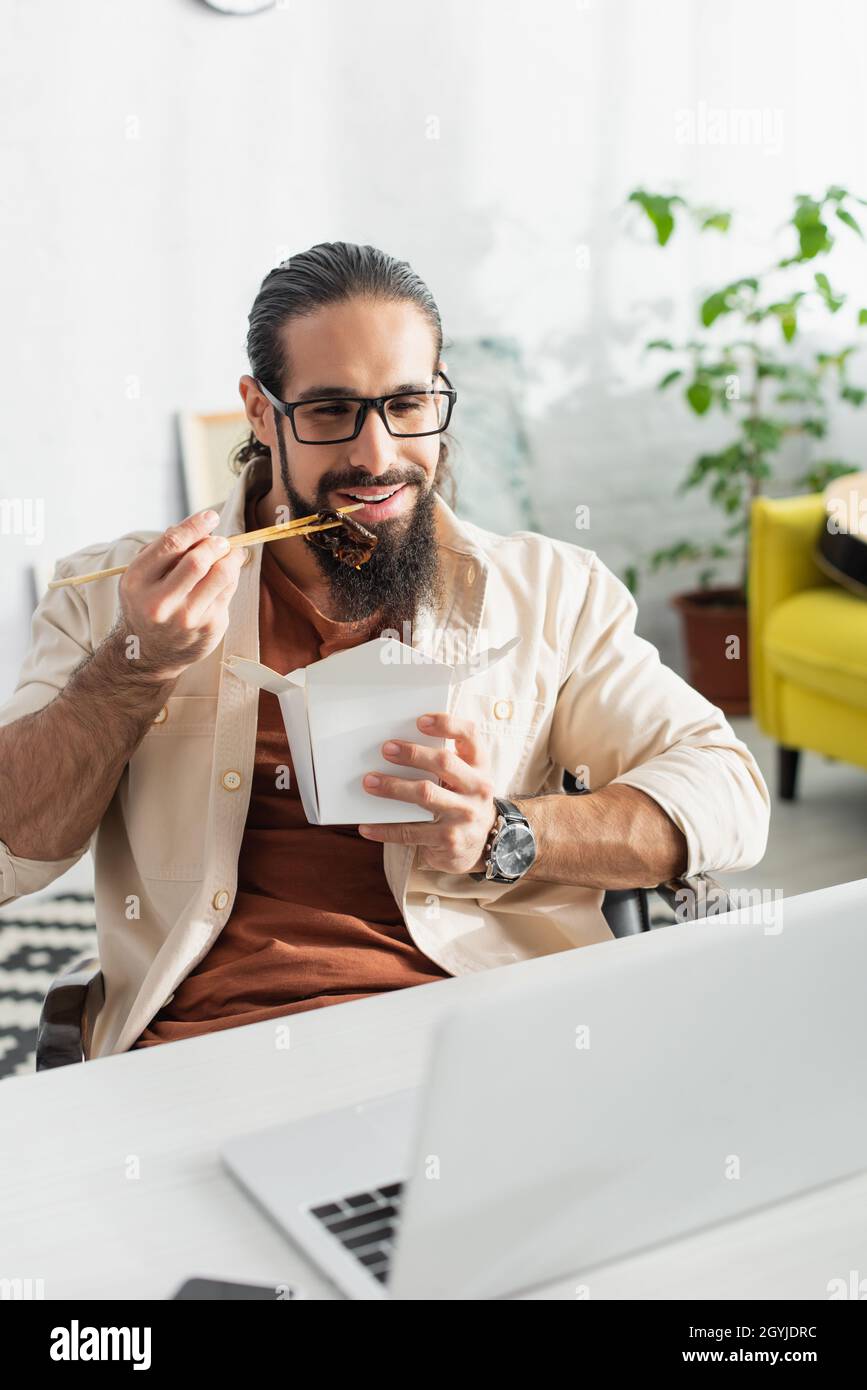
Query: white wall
{"points": [[158, 158]]}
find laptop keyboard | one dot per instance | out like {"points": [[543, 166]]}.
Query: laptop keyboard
{"points": [[365, 1224]]}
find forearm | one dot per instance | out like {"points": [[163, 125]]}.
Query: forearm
{"points": [[60, 766], [617, 837]]}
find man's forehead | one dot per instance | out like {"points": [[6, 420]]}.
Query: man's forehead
{"points": [[369, 348], [354, 374]]}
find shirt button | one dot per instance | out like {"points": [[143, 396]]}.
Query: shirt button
{"points": [[231, 781], [220, 899], [471, 574], [162, 716], [503, 709]]}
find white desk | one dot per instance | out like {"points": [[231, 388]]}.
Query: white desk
{"points": [[70, 1214]]}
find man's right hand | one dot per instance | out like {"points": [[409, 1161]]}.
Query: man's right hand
{"points": [[175, 595]]}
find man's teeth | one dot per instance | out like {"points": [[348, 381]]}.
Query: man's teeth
{"points": [[370, 497]]}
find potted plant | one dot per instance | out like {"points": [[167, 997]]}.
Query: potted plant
{"points": [[748, 361]]}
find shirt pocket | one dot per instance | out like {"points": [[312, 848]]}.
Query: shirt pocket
{"points": [[509, 728], [168, 789]]}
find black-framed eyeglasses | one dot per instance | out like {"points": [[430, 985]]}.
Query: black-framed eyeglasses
{"points": [[337, 419]]}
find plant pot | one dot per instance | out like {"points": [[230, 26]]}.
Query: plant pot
{"points": [[711, 618]]}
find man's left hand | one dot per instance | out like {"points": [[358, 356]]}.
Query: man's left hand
{"points": [[463, 805]]}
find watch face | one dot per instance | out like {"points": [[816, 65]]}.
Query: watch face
{"points": [[514, 851]]}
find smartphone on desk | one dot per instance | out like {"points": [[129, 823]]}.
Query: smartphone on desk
{"points": [[223, 1289]]}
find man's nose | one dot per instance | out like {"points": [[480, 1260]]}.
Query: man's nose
{"points": [[374, 449]]}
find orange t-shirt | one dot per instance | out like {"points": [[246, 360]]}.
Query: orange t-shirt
{"points": [[314, 921]]}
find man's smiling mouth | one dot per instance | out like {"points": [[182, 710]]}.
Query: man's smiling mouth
{"points": [[372, 494], [378, 501]]}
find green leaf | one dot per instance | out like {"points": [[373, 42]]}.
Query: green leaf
{"points": [[699, 396], [832, 301], [763, 434], [835, 359], [854, 394], [812, 231], [780, 370], [675, 554], [792, 302], [669, 378], [849, 220], [824, 472], [836, 194], [795, 397], [630, 579], [727, 461], [789, 325], [719, 221], [659, 210], [816, 427], [713, 307], [659, 345], [725, 300], [862, 317], [814, 240], [724, 368]]}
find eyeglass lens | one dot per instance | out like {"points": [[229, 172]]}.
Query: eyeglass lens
{"points": [[319, 422]]}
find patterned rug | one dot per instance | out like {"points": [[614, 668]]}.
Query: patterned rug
{"points": [[38, 937]]}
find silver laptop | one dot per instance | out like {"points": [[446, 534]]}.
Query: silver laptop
{"points": [[597, 1102]]}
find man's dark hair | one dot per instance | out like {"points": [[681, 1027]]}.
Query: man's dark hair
{"points": [[330, 273]]}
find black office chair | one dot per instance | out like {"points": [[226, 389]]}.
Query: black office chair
{"points": [[75, 996]]}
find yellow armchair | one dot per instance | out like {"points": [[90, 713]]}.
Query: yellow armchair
{"points": [[808, 641]]}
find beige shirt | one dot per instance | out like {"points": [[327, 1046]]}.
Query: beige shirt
{"points": [[581, 690]]}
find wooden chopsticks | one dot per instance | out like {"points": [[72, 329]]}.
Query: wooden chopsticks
{"points": [[299, 527]]}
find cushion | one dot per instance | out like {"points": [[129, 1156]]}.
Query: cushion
{"points": [[818, 638]]}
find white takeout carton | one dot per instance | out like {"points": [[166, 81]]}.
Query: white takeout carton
{"points": [[339, 711]]}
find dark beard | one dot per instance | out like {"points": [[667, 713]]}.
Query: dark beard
{"points": [[402, 575]]}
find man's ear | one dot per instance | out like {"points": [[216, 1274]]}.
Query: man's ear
{"points": [[442, 367], [257, 408]]}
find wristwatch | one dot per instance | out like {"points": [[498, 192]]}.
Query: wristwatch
{"points": [[511, 846]]}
